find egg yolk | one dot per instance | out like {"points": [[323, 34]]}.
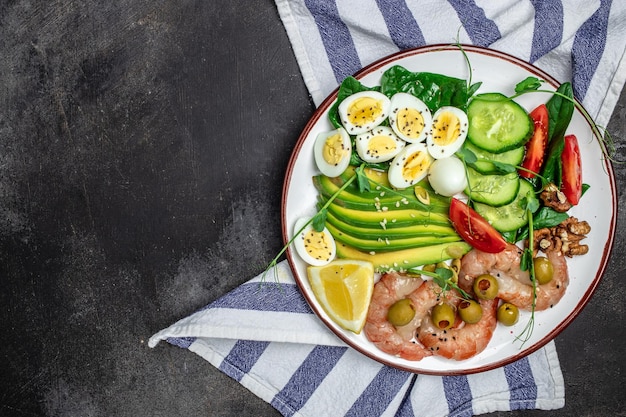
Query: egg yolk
{"points": [[334, 151], [318, 245], [446, 129], [381, 145], [364, 110], [410, 122], [415, 164]]}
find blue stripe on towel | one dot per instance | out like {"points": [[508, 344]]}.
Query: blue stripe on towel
{"points": [[379, 393], [548, 31], [181, 342], [519, 376], [402, 26], [244, 354], [264, 297], [406, 407], [458, 395], [307, 378], [589, 43], [481, 30], [338, 43]]}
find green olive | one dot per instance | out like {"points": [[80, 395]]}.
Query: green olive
{"points": [[429, 267], [508, 314], [401, 312], [470, 311], [443, 315], [544, 271], [486, 287]]}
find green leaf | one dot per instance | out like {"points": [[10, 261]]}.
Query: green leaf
{"points": [[547, 217], [473, 88], [530, 202], [526, 260], [503, 168], [529, 84], [362, 180], [560, 111], [319, 220], [435, 90], [467, 155]]}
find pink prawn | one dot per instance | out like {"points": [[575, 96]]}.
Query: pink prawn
{"points": [[514, 284], [463, 340], [399, 341]]}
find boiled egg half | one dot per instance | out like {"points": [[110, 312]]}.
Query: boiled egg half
{"points": [[410, 166], [449, 131], [332, 152], [378, 145], [315, 248], [410, 117], [363, 111]]}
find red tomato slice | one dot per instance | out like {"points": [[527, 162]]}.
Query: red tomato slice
{"points": [[572, 172], [536, 146], [474, 229]]}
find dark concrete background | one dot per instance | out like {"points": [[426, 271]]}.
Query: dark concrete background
{"points": [[142, 146]]}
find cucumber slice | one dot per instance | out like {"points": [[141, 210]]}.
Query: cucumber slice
{"points": [[493, 189], [483, 158], [497, 124], [509, 217]]}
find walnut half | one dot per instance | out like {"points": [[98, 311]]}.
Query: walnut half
{"points": [[554, 198], [564, 237]]}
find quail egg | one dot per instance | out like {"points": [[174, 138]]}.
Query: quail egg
{"points": [[447, 176], [409, 166], [378, 145], [332, 152], [449, 131], [363, 111], [315, 248], [410, 117]]}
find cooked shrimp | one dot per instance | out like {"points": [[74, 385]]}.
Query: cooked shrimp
{"points": [[463, 340], [514, 285], [399, 341]]}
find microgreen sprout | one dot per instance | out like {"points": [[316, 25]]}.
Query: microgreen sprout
{"points": [[444, 277], [527, 264], [319, 219]]}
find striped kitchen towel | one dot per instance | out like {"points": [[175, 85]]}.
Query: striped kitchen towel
{"points": [[579, 41], [265, 336]]}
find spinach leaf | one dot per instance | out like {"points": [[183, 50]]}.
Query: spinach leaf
{"points": [[547, 217], [435, 90], [560, 111], [349, 86]]}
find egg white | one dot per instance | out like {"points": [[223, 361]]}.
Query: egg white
{"points": [[447, 176], [300, 244], [401, 177], [353, 104], [332, 169], [438, 145], [378, 145], [409, 130]]}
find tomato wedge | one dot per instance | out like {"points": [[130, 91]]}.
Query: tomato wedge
{"points": [[572, 173], [474, 229], [536, 146]]}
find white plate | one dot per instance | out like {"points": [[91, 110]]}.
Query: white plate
{"points": [[499, 73]]}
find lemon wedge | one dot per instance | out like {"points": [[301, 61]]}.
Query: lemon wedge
{"points": [[344, 289]]}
